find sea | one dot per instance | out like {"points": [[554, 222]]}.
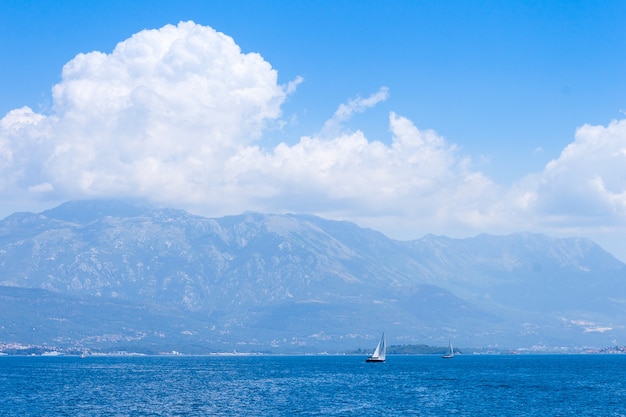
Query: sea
{"points": [[423, 385]]}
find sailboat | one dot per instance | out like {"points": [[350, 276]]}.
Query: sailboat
{"points": [[450, 352], [380, 353]]}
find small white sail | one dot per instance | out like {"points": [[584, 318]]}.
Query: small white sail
{"points": [[380, 353], [450, 353]]}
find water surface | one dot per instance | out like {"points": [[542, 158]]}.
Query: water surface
{"points": [[499, 385]]}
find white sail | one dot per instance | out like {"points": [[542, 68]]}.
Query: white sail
{"points": [[450, 352], [382, 348], [380, 353]]}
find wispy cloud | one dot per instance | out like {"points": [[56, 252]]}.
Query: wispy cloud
{"points": [[359, 105], [356, 105]]}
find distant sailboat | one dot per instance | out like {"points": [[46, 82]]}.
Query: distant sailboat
{"points": [[450, 353], [380, 353]]}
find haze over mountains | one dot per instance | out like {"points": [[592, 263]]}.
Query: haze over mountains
{"points": [[125, 274]]}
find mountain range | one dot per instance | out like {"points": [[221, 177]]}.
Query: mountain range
{"points": [[123, 274]]}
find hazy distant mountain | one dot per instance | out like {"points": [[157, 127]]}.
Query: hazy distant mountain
{"points": [[118, 272]]}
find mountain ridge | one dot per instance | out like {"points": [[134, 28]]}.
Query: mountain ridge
{"points": [[273, 281]]}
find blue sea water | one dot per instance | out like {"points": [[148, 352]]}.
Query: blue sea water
{"points": [[468, 385]]}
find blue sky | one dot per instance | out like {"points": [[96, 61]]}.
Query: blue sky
{"points": [[408, 117]]}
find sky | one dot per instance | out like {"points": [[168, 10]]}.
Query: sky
{"points": [[409, 117]]}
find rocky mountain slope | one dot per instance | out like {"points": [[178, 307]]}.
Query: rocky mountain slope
{"points": [[113, 272]]}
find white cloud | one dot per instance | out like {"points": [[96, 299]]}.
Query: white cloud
{"points": [[157, 116], [174, 115], [585, 187], [417, 182], [357, 105], [292, 85], [580, 193]]}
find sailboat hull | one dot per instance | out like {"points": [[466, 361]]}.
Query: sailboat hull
{"points": [[374, 360]]}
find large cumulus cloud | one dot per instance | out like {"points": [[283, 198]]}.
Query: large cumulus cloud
{"points": [[157, 116], [177, 115]]}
